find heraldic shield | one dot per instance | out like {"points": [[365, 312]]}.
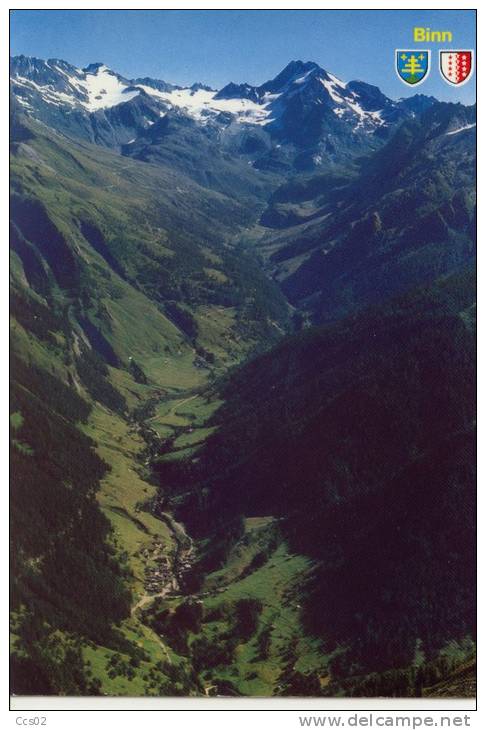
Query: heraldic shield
{"points": [[412, 66], [456, 66]]}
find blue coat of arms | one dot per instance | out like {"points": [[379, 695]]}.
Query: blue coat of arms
{"points": [[412, 66]]}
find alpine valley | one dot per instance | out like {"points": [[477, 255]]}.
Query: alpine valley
{"points": [[243, 387]]}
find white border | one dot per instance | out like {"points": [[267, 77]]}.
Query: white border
{"points": [[300, 705], [414, 50], [457, 50], [68, 712]]}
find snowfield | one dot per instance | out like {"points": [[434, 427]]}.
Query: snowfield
{"points": [[200, 104], [104, 89]]}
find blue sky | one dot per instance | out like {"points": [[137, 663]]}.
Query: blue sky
{"points": [[219, 46]]}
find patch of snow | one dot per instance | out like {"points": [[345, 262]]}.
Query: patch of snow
{"points": [[100, 90], [376, 116], [24, 102], [461, 129], [357, 109], [200, 104], [349, 100], [104, 89], [329, 86], [74, 81], [50, 95], [364, 117], [268, 97], [301, 79], [336, 81]]}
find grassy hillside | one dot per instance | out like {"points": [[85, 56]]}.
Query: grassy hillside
{"points": [[94, 230], [126, 290]]}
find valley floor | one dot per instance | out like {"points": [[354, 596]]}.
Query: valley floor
{"points": [[258, 568]]}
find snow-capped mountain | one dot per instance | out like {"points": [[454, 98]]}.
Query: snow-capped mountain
{"points": [[59, 83], [300, 82], [97, 87], [304, 106]]}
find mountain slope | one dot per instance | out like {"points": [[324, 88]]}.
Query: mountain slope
{"points": [[95, 226], [360, 437], [357, 237], [126, 287]]}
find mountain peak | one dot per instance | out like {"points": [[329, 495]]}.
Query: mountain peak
{"points": [[93, 68], [298, 66], [291, 72], [198, 86], [294, 72]]}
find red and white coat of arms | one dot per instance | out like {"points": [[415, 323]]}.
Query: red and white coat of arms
{"points": [[456, 66]]}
